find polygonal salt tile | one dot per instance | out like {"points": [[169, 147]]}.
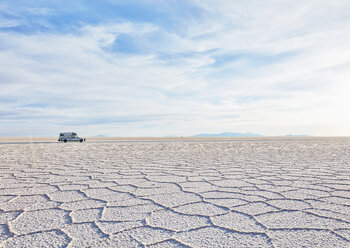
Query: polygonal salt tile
{"points": [[41, 239], [312, 193], [172, 200], [147, 235], [288, 204], [198, 186], [167, 179], [297, 219], [263, 193], [86, 215], [149, 184], [29, 190], [216, 237], [8, 216], [238, 222], [306, 238], [329, 214], [200, 208], [157, 191], [176, 222], [319, 186], [231, 195], [129, 181], [21, 202], [42, 205], [226, 202], [316, 204], [72, 186], [123, 188], [274, 188], [119, 240], [204, 177], [234, 183], [114, 196], [286, 182], [84, 235], [138, 212], [256, 181], [102, 184], [254, 208], [83, 204], [57, 179], [297, 195], [117, 226], [95, 193], [171, 243], [41, 220], [249, 189], [67, 196]]}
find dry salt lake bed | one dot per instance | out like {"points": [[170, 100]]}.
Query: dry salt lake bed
{"points": [[176, 193]]}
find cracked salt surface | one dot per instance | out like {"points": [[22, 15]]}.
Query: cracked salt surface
{"points": [[41, 220], [238, 193]]}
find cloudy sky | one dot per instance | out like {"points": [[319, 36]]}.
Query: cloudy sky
{"points": [[161, 68]]}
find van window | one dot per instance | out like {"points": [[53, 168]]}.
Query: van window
{"points": [[61, 134]]}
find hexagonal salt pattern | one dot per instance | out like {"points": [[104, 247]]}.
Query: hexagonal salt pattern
{"points": [[307, 238], [174, 221], [55, 238], [224, 193], [38, 221]]}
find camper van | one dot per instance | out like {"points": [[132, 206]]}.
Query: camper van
{"points": [[70, 136]]}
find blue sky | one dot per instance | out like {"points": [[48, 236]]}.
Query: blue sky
{"points": [[159, 68]]}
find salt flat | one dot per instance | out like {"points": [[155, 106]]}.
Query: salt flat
{"points": [[194, 193]]}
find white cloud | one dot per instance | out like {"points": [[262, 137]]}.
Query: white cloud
{"points": [[285, 70], [4, 23]]}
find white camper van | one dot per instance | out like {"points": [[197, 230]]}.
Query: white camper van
{"points": [[70, 136]]}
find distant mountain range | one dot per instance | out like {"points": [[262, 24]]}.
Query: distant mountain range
{"points": [[225, 135], [100, 136], [247, 134], [297, 135]]}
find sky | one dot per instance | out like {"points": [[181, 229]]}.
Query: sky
{"points": [[174, 68]]}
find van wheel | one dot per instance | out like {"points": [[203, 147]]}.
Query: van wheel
{"points": [[81, 140], [65, 141]]}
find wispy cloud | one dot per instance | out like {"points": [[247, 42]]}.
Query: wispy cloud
{"points": [[154, 68]]}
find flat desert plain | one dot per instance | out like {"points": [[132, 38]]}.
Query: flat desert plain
{"points": [[176, 193]]}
